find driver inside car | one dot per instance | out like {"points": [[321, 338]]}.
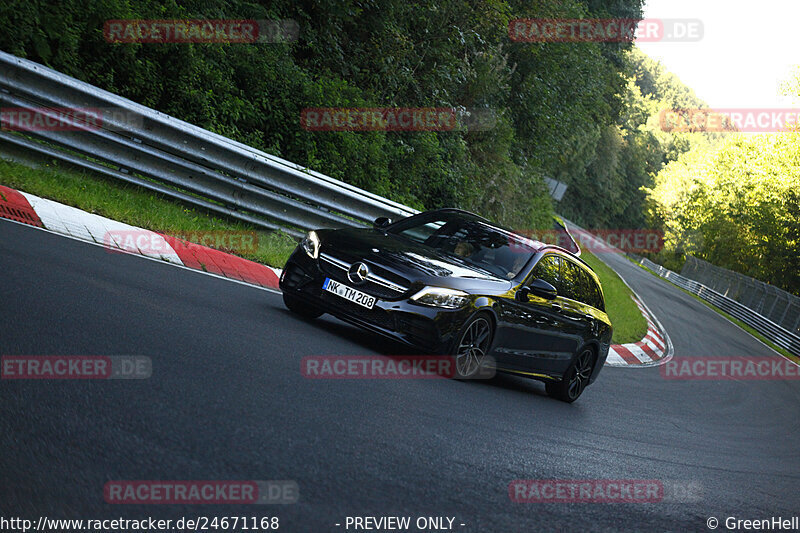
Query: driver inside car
{"points": [[463, 249]]}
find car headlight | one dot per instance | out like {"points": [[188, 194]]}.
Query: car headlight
{"points": [[311, 245], [441, 297]]}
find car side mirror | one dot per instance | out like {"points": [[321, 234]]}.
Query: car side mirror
{"points": [[542, 289], [381, 222], [522, 294]]}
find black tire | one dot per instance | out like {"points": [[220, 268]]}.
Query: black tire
{"points": [[575, 379], [471, 346], [301, 308]]}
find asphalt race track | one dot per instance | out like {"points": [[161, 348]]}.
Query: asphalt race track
{"points": [[227, 401]]}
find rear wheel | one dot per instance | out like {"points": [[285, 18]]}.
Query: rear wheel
{"points": [[575, 380], [472, 346], [301, 308]]}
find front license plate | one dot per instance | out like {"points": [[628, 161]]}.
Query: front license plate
{"points": [[349, 293]]}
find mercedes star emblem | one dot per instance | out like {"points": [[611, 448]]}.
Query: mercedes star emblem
{"points": [[358, 273]]}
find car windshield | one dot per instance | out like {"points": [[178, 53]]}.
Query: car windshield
{"points": [[470, 240]]}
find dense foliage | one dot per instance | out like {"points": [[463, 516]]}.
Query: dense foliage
{"points": [[556, 103], [735, 204], [614, 163], [731, 199]]}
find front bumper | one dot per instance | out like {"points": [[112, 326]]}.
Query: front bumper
{"points": [[426, 328]]}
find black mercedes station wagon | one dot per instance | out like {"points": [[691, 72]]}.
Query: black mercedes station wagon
{"points": [[450, 282]]}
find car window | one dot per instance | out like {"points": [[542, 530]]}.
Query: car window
{"points": [[548, 269], [595, 294], [586, 287], [580, 286], [571, 281]]}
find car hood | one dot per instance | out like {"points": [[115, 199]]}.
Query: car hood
{"points": [[408, 259]]}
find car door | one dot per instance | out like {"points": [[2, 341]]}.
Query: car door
{"points": [[573, 305], [532, 335]]}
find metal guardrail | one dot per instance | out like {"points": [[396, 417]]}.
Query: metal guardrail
{"points": [[767, 300], [142, 146], [777, 334]]}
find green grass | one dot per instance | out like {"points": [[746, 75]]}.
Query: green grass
{"points": [[138, 207], [736, 321], [629, 324]]}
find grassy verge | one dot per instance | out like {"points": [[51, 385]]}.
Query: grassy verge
{"points": [[138, 207], [736, 321], [629, 324]]}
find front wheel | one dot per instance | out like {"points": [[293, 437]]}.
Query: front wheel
{"points": [[575, 379], [299, 307], [472, 346]]}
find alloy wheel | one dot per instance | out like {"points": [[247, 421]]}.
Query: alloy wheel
{"points": [[473, 347], [580, 377]]}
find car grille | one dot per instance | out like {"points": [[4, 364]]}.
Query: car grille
{"points": [[385, 285]]}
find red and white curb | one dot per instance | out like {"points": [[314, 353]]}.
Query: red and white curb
{"points": [[70, 221], [654, 349]]}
